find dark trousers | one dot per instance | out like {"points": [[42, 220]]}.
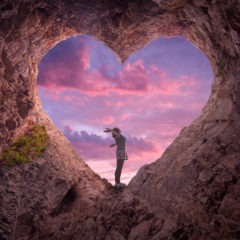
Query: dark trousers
{"points": [[118, 170]]}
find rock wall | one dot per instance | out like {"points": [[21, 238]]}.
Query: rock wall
{"points": [[192, 189], [57, 196], [30, 28], [195, 185]]}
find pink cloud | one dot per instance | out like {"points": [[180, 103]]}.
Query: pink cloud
{"points": [[147, 102], [134, 79], [83, 55], [105, 120]]}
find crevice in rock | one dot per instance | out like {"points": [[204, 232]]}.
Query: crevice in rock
{"points": [[66, 203]]}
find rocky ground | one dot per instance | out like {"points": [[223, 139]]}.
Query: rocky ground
{"points": [[57, 196], [191, 192]]}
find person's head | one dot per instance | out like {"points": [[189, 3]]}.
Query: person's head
{"points": [[116, 130]]}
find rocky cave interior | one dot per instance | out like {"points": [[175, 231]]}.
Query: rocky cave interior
{"points": [[191, 192]]}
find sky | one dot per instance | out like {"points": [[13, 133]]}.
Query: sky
{"points": [[151, 96]]}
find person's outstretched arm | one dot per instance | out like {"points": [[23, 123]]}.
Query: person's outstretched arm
{"points": [[107, 130], [110, 130]]}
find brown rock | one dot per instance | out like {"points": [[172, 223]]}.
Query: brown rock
{"points": [[192, 189], [141, 231]]}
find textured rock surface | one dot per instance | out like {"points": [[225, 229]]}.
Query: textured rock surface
{"points": [[193, 189], [193, 186], [58, 196]]}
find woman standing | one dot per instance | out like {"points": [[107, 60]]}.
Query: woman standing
{"points": [[121, 154]]}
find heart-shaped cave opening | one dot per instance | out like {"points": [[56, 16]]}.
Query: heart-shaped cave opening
{"points": [[197, 175], [150, 97]]}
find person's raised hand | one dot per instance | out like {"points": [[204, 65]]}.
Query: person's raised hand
{"points": [[107, 130]]}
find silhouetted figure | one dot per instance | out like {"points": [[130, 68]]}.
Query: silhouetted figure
{"points": [[121, 153]]}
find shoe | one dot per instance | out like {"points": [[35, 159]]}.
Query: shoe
{"points": [[120, 185]]}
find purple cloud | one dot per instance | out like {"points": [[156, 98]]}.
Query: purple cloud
{"points": [[151, 97]]}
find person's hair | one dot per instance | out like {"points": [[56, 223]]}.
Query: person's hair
{"points": [[116, 130]]}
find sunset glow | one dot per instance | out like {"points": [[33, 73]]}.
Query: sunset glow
{"points": [[154, 94]]}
